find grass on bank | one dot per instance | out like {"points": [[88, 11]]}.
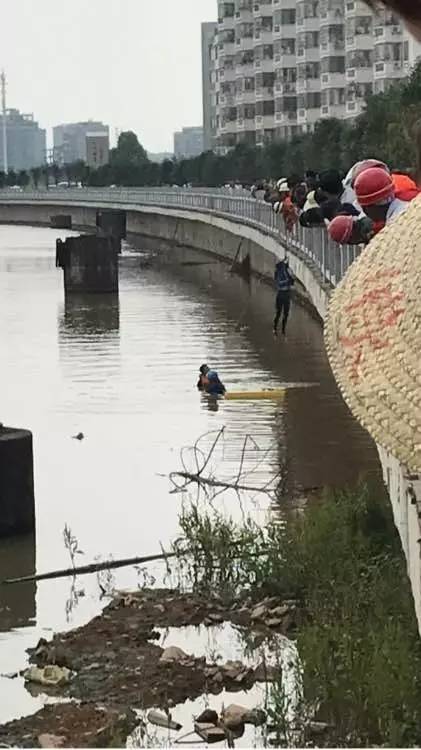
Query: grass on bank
{"points": [[358, 642]]}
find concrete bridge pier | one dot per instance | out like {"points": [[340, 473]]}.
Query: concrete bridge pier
{"points": [[112, 223], [61, 221], [17, 502], [90, 264]]}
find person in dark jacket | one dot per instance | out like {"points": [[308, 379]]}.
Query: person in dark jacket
{"points": [[209, 382], [284, 282]]}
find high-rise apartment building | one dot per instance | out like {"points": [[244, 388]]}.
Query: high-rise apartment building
{"points": [[26, 141], [208, 35], [70, 140], [97, 149], [279, 66], [188, 142]]}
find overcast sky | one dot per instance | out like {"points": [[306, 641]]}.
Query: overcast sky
{"points": [[134, 64]]}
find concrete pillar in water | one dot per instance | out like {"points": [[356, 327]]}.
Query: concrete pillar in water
{"points": [[61, 221], [90, 264], [17, 502], [112, 223]]}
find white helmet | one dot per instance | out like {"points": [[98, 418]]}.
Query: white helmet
{"points": [[282, 185]]}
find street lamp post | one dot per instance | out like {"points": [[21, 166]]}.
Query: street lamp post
{"points": [[4, 121]]}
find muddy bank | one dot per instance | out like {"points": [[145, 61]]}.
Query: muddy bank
{"points": [[114, 663]]}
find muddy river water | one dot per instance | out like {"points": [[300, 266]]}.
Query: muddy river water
{"points": [[123, 371]]}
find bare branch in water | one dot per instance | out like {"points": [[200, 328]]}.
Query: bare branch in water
{"points": [[209, 480]]}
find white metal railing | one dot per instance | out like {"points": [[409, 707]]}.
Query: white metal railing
{"points": [[331, 259]]}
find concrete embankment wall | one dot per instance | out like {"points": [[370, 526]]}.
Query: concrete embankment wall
{"points": [[231, 240]]}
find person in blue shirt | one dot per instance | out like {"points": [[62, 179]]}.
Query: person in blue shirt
{"points": [[209, 382], [284, 282]]}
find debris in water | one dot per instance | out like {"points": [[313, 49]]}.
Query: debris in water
{"points": [[50, 676], [51, 740], [163, 720], [173, 653]]}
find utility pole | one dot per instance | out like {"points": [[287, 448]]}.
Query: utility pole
{"points": [[4, 121]]}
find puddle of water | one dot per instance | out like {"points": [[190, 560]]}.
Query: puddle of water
{"points": [[226, 642], [221, 644], [185, 714]]}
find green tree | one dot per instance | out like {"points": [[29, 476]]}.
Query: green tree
{"points": [[36, 176], [11, 178], [166, 172], [3, 180], [45, 171], [56, 172], [23, 178]]}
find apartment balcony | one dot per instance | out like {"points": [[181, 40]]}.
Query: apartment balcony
{"points": [[226, 24], [284, 61], [264, 66], [264, 93], [332, 80], [356, 42], [230, 127], [286, 118], [332, 110], [245, 13], [332, 49], [308, 86], [227, 100], [308, 117], [359, 75], [354, 108], [227, 74], [284, 31], [263, 36], [391, 69], [390, 34], [309, 24], [332, 18], [355, 9], [265, 122], [244, 43], [310, 55], [245, 124], [288, 88], [228, 48], [245, 71], [245, 97], [262, 8]]}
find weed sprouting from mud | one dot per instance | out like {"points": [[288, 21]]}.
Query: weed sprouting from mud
{"points": [[71, 543]]}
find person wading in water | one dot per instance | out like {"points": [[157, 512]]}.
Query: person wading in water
{"points": [[284, 282], [209, 382]]}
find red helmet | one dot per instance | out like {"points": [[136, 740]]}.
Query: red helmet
{"points": [[373, 186], [340, 229]]}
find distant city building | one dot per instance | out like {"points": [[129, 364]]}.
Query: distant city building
{"points": [[277, 68], [70, 142], [209, 30], [160, 157], [188, 142], [26, 141], [97, 149]]}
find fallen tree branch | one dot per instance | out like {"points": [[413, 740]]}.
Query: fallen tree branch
{"points": [[209, 482], [86, 569]]}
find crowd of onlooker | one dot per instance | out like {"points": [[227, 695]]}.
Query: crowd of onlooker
{"points": [[352, 207]]}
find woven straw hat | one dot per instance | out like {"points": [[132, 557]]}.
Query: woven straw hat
{"points": [[373, 337]]}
